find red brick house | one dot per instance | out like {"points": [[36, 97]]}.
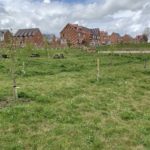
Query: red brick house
{"points": [[127, 39], [76, 35], [115, 38], [5, 36], [29, 36]]}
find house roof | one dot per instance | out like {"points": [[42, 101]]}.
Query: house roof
{"points": [[26, 32], [103, 32], [95, 31], [83, 29], [117, 34], [127, 36], [4, 31]]}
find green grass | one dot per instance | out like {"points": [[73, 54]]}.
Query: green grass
{"points": [[61, 105], [129, 46]]}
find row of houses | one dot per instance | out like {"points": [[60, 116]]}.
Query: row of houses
{"points": [[22, 37], [71, 35], [79, 35]]}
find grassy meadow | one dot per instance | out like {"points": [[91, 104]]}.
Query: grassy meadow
{"points": [[62, 106]]}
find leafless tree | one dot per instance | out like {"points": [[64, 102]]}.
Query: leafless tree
{"points": [[12, 51]]}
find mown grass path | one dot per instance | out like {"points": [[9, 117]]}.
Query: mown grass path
{"points": [[125, 52]]}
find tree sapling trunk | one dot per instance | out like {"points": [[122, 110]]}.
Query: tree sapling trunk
{"points": [[98, 69], [13, 67]]}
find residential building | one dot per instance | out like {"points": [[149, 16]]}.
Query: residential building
{"points": [[73, 34], [5, 37], [115, 38], [104, 38], [29, 36], [127, 39]]}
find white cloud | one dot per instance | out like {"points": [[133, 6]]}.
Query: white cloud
{"points": [[125, 16], [46, 1]]}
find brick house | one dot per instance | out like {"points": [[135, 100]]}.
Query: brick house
{"points": [[104, 38], [29, 36], [115, 38], [5, 36], [127, 39], [76, 35]]}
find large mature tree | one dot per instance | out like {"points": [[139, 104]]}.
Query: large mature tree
{"points": [[145, 38]]}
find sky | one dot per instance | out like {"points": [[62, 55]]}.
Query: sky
{"points": [[122, 16]]}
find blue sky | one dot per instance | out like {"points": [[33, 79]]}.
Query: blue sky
{"points": [[124, 16]]}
